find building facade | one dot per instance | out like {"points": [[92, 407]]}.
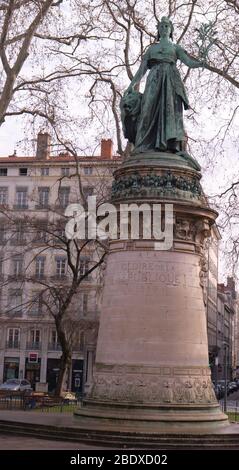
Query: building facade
{"points": [[39, 189]]}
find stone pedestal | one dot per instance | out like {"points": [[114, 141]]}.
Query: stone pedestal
{"points": [[152, 370]]}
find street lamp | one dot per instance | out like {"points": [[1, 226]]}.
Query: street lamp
{"points": [[226, 347]]}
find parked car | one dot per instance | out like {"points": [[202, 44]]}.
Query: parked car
{"points": [[232, 387], [69, 398], [16, 385]]}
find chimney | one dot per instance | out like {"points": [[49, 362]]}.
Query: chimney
{"points": [[106, 148], [43, 146]]}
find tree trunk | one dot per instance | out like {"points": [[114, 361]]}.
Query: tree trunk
{"points": [[65, 360], [64, 364]]}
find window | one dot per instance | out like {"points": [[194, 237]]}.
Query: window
{"points": [[84, 302], [3, 195], [23, 171], [64, 194], [36, 303], [18, 234], [44, 171], [88, 191], [2, 234], [54, 338], [88, 170], [21, 198], [82, 341], [43, 197], [3, 171], [1, 267], [54, 343], [18, 265], [13, 337], [59, 235], [40, 266], [15, 301], [60, 267], [84, 265], [40, 236], [35, 337], [65, 171]]}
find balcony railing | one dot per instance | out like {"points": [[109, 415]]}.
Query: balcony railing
{"points": [[13, 344], [14, 313], [78, 347], [16, 277], [42, 206], [33, 345], [59, 277], [20, 206], [35, 313], [54, 347], [18, 241]]}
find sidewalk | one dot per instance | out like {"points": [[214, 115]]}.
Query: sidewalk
{"points": [[28, 443], [65, 428], [68, 420]]}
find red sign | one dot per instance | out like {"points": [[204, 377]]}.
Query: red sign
{"points": [[32, 357]]}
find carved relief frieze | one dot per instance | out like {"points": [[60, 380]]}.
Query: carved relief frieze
{"points": [[147, 388], [164, 185]]}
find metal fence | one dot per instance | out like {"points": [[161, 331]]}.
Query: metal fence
{"points": [[36, 401], [43, 402], [231, 407]]}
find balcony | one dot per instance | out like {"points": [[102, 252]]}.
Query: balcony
{"points": [[39, 276], [20, 207], [12, 344], [54, 347], [35, 313], [16, 277], [14, 313], [18, 241], [59, 277], [33, 346], [78, 348], [42, 206]]}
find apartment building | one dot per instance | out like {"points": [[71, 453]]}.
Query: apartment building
{"points": [[34, 192], [221, 313], [226, 324]]}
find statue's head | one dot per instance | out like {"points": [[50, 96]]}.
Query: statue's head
{"points": [[165, 28]]}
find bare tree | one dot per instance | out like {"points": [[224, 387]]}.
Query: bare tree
{"points": [[88, 51], [31, 34]]}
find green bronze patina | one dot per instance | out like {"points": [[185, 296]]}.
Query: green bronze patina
{"points": [[166, 185], [154, 120]]}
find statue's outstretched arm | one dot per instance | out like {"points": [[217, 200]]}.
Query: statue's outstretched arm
{"points": [[184, 57]]}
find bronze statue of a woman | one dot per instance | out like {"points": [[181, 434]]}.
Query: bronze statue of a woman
{"points": [[154, 120]]}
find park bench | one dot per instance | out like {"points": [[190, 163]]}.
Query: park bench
{"points": [[41, 400]]}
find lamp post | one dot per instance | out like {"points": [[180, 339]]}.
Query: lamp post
{"points": [[225, 376]]}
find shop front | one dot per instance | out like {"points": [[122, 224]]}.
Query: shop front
{"points": [[53, 368], [32, 370], [77, 376], [11, 368]]}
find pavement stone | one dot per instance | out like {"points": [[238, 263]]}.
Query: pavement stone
{"points": [[26, 443]]}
